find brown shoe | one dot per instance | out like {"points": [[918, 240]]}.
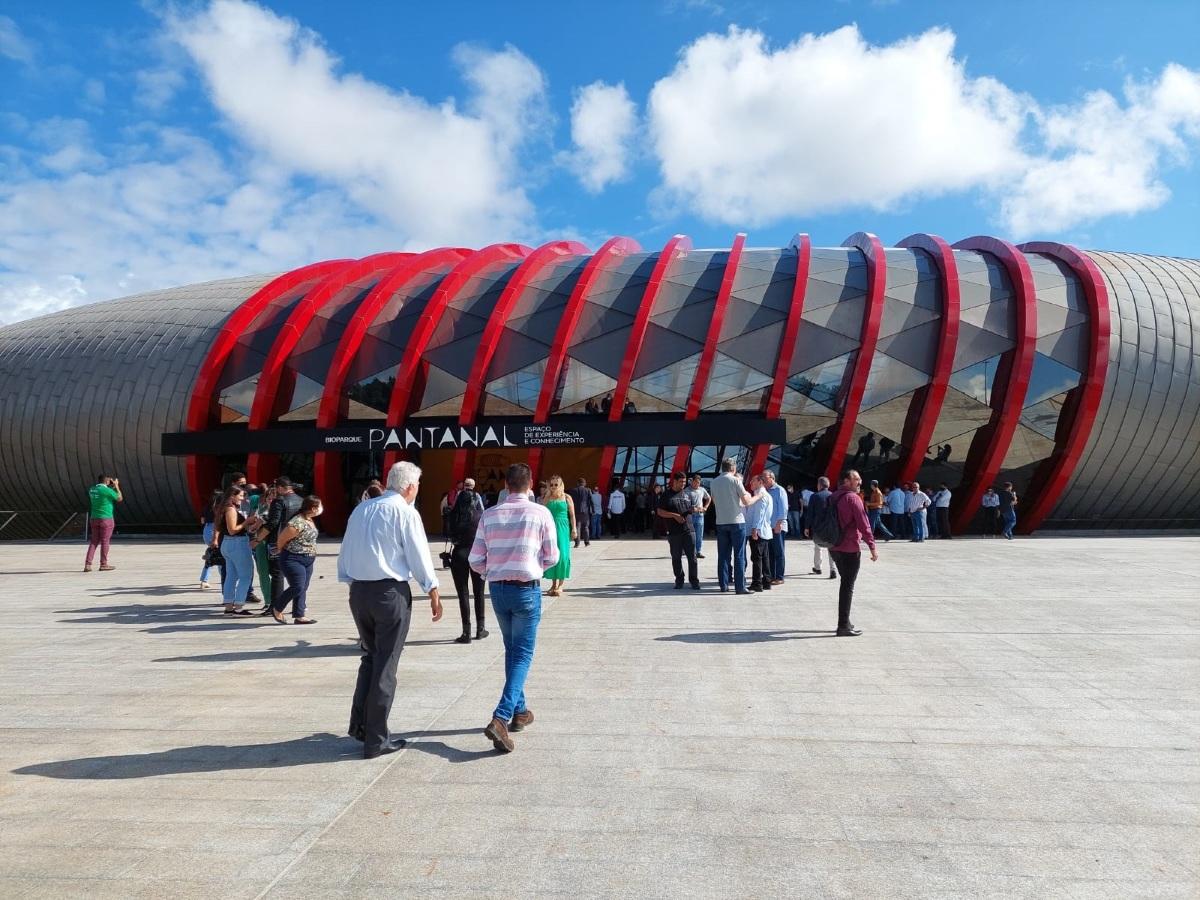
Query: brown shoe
{"points": [[497, 733], [87, 568], [520, 720], [107, 568]]}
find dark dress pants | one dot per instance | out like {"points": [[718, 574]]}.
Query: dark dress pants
{"points": [[584, 524], [382, 611], [466, 580], [848, 565], [684, 545], [760, 564], [275, 568], [943, 520]]}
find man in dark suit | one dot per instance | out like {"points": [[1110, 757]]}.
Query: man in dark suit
{"points": [[582, 498]]}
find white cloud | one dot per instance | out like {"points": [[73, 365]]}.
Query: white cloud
{"points": [[94, 92], [13, 44], [437, 174], [603, 126], [1103, 158], [155, 88]]}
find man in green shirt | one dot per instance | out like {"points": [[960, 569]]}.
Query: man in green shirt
{"points": [[102, 495]]}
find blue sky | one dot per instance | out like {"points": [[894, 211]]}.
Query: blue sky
{"points": [[145, 145]]}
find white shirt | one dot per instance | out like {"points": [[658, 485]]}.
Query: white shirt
{"points": [[805, 494], [990, 501], [941, 499], [616, 503], [917, 500], [385, 539]]}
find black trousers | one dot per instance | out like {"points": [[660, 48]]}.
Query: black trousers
{"points": [[275, 568], [684, 545], [848, 565], [382, 611], [583, 524], [466, 581], [943, 517], [760, 564], [616, 523]]}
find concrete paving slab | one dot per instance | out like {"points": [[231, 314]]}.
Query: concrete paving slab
{"points": [[1020, 720]]}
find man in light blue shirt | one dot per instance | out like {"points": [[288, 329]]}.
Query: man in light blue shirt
{"points": [[759, 529], [897, 512], [779, 524], [384, 546]]}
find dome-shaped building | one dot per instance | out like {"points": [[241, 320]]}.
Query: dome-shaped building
{"points": [[1072, 374]]}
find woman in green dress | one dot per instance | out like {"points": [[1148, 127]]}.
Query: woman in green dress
{"points": [[558, 501]]}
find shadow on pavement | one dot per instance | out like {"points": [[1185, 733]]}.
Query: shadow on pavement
{"points": [[744, 637], [416, 741], [298, 650], [316, 748], [663, 589]]}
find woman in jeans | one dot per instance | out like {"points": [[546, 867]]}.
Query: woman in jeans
{"points": [[297, 546], [208, 521], [233, 532]]}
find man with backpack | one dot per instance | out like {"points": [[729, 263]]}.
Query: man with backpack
{"points": [[815, 509], [464, 522], [844, 524]]}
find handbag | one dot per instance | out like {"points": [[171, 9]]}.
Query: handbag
{"points": [[445, 556], [213, 557]]}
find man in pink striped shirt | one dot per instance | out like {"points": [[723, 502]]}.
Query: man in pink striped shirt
{"points": [[516, 542]]}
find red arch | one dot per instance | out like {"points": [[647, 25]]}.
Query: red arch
{"points": [[327, 470], [261, 466], [202, 471], [410, 379], [613, 250], [709, 353], [677, 247], [843, 431], [1010, 386], [1079, 414], [532, 265], [787, 343], [926, 405]]}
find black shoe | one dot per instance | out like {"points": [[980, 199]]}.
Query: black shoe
{"points": [[695, 585], [849, 631], [741, 592], [481, 634], [833, 574], [724, 590], [753, 588], [463, 638], [576, 545], [816, 571], [699, 556], [253, 598], [391, 746], [358, 734], [678, 585], [587, 543]]}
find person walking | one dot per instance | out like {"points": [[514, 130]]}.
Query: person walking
{"points": [[874, 502], [941, 511], [847, 554], [917, 504], [562, 508], [582, 498], [296, 550], [616, 512], [597, 511], [779, 525], [701, 500], [464, 521], [206, 535], [677, 510], [1008, 510], [515, 543], [816, 505], [384, 546], [260, 496], [758, 526], [233, 532], [284, 506], [731, 500], [101, 497], [991, 512], [896, 511], [795, 512]]}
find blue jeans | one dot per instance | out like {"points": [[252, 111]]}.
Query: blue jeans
{"points": [[795, 524], [596, 519], [876, 518], [298, 569], [1010, 522], [918, 524], [731, 540], [698, 527], [207, 538], [777, 555], [239, 566], [518, 610]]}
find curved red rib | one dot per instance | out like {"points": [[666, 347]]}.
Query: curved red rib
{"points": [[1079, 414], [839, 445], [678, 246], [612, 252], [927, 403], [1010, 386], [787, 343], [203, 472], [709, 353]]}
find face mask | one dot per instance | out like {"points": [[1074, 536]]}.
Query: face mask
{"points": [[320, 509]]}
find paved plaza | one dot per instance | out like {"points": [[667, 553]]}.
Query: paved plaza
{"points": [[1019, 720]]}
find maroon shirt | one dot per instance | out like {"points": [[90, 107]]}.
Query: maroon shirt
{"points": [[852, 516]]}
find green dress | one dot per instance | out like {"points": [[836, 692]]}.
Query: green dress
{"points": [[562, 523]]}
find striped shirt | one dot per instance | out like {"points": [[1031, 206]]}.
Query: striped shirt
{"points": [[516, 541]]}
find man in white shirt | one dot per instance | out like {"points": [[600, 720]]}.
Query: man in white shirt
{"points": [[384, 546], [515, 543], [941, 509], [616, 512], [917, 503]]}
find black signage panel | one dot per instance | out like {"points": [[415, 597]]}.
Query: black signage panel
{"points": [[448, 434]]}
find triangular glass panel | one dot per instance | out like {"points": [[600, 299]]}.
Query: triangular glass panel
{"points": [[520, 387], [672, 383], [757, 349], [998, 317], [305, 391], [1049, 377], [1068, 347], [1043, 417], [976, 344], [898, 315], [889, 378], [976, 380], [730, 378], [916, 346], [845, 318], [581, 383]]}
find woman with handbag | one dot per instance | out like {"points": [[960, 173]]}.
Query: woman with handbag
{"points": [[464, 522], [232, 534], [297, 546]]}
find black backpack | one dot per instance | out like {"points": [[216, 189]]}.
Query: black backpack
{"points": [[464, 517], [827, 530]]}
